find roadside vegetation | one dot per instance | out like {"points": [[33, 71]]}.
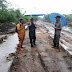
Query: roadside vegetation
{"points": [[10, 15], [68, 17]]}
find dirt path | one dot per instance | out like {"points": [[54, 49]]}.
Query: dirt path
{"points": [[42, 57], [66, 35]]}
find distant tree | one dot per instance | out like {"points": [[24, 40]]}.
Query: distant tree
{"points": [[3, 5], [35, 18], [46, 17], [10, 15], [40, 18], [68, 17], [18, 13]]}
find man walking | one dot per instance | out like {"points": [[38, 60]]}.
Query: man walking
{"points": [[21, 32], [32, 34], [58, 28]]}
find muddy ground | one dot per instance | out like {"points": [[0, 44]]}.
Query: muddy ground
{"points": [[42, 57], [6, 28]]}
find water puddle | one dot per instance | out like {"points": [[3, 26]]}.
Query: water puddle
{"points": [[38, 32], [5, 49]]}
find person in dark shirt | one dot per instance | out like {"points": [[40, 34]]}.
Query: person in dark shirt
{"points": [[32, 34]]}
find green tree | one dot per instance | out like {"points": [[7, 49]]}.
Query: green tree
{"points": [[10, 15], [35, 18], [3, 5], [68, 17], [46, 17]]}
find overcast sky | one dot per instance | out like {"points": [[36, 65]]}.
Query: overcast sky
{"points": [[43, 6]]}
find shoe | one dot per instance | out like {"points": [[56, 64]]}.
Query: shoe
{"points": [[56, 47], [34, 43], [53, 46], [31, 45]]}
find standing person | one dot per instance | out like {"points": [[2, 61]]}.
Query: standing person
{"points": [[32, 34], [58, 28], [21, 32]]}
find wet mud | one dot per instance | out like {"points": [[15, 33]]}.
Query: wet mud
{"points": [[42, 57]]}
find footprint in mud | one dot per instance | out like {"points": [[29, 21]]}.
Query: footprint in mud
{"points": [[70, 68], [8, 58], [65, 56], [56, 71]]}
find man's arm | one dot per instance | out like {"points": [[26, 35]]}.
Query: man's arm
{"points": [[19, 32], [57, 28], [35, 25], [29, 24], [60, 27]]}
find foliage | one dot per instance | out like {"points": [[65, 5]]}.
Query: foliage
{"points": [[10, 15], [3, 5], [46, 17], [68, 17], [35, 18]]}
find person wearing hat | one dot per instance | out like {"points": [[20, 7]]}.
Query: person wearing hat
{"points": [[21, 32], [32, 34], [58, 28]]}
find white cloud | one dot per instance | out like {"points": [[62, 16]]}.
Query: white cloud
{"points": [[43, 6]]}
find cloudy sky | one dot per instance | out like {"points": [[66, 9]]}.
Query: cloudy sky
{"points": [[43, 6]]}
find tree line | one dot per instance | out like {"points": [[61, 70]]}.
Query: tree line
{"points": [[68, 17], [10, 15]]}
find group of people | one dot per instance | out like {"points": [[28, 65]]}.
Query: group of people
{"points": [[20, 29], [32, 35]]}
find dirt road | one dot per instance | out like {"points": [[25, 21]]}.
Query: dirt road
{"points": [[66, 35], [42, 57]]}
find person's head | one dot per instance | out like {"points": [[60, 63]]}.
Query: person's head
{"points": [[21, 20], [32, 20], [58, 18]]}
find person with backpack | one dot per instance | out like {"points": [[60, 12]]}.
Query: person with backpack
{"points": [[20, 29], [32, 34]]}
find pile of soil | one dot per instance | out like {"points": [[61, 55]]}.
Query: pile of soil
{"points": [[6, 27]]}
